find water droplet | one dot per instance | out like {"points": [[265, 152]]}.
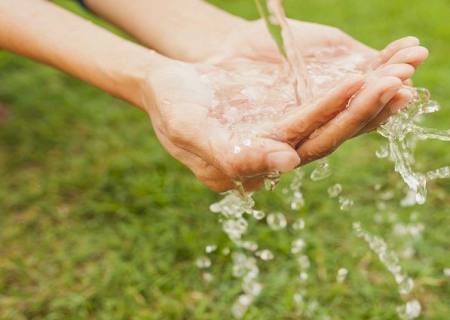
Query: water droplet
{"points": [[446, 272], [298, 299], [322, 171], [271, 180], [265, 254], [247, 142], [236, 149], [297, 246], [334, 190], [203, 262], [252, 288], [297, 200], [210, 248], [387, 195], [341, 275], [248, 245], [207, 277], [382, 152], [440, 173], [303, 262], [345, 203], [299, 224], [276, 221], [303, 276], [258, 214], [406, 286], [410, 310]]}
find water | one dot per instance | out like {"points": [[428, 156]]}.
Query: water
{"points": [[402, 131], [296, 81], [276, 221], [410, 310], [273, 13], [341, 275], [322, 171], [335, 190], [388, 257]]}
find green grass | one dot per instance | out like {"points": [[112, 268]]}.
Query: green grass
{"points": [[98, 222]]}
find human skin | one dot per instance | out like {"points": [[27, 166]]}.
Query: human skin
{"points": [[167, 27], [172, 94]]}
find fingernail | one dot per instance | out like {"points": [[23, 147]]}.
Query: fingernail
{"points": [[388, 95], [283, 161]]}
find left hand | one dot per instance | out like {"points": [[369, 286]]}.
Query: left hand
{"points": [[398, 59]]}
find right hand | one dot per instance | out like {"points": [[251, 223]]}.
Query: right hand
{"points": [[178, 102]]}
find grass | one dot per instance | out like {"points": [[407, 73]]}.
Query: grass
{"points": [[98, 222]]}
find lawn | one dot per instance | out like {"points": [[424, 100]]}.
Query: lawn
{"points": [[99, 222]]}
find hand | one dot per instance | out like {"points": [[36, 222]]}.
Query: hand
{"points": [[209, 148], [179, 101], [180, 107], [399, 59]]}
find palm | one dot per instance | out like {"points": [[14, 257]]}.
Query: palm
{"points": [[222, 135], [234, 117]]}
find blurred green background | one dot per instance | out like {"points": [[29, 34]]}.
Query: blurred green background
{"points": [[98, 222]]}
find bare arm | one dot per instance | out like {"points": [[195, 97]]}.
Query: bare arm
{"points": [[183, 29], [44, 32]]}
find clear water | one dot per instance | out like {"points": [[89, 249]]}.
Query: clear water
{"points": [[246, 83]]}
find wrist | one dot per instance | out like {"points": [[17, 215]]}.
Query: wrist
{"points": [[189, 30], [131, 78], [215, 40]]}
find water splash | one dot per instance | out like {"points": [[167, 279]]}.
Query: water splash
{"points": [[390, 260], [410, 310], [322, 170], [402, 131], [237, 206], [334, 190]]}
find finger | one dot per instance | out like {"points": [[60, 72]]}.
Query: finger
{"points": [[397, 103], [413, 56], [253, 184], [363, 108], [257, 158], [303, 122], [394, 47], [408, 83], [403, 71], [205, 172]]}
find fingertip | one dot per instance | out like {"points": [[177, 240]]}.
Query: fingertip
{"points": [[422, 53], [404, 96], [388, 88], [412, 40], [283, 161]]}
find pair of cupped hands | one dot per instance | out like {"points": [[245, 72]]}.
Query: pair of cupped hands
{"points": [[178, 104]]}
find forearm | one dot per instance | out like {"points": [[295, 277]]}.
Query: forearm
{"points": [[187, 30], [44, 32]]}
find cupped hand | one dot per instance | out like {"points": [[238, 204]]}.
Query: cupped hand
{"points": [[331, 47], [191, 113], [179, 100]]}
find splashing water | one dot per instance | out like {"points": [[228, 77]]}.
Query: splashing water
{"points": [[402, 127], [237, 207], [390, 260]]}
